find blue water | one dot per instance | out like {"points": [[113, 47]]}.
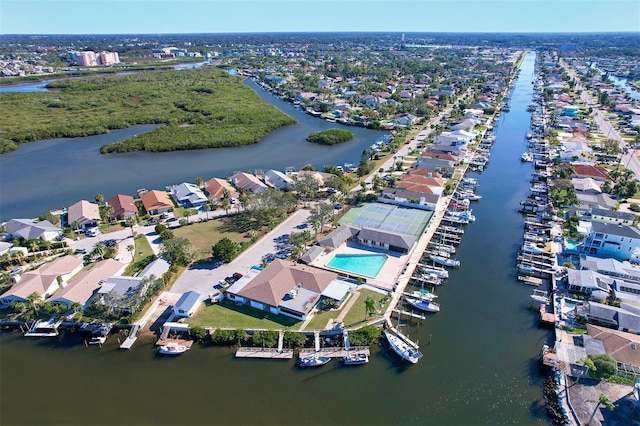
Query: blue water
{"points": [[362, 264]]}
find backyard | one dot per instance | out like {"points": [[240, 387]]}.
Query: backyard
{"points": [[203, 235], [227, 314]]}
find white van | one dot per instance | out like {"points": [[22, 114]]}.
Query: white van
{"points": [[92, 232]]}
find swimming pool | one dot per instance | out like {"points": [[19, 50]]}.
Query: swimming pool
{"points": [[362, 264]]}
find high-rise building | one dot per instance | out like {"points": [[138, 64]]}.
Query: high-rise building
{"points": [[87, 59], [108, 58]]}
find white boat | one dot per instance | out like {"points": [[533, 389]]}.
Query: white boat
{"points": [[402, 348], [525, 267], [468, 195], [527, 157], [355, 358], [444, 247], [423, 295], [44, 328], [531, 248], [313, 361], [444, 261], [172, 349], [97, 340], [438, 272], [540, 296], [423, 305]]}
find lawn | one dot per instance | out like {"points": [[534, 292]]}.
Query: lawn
{"points": [[142, 255], [227, 314], [355, 315], [203, 235], [321, 318]]}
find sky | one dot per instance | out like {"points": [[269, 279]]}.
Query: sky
{"points": [[241, 16]]}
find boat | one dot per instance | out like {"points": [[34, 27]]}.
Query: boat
{"points": [[172, 349], [435, 271], [423, 294], [540, 296], [44, 328], [423, 305], [313, 361], [355, 358], [531, 248], [444, 261], [402, 348], [527, 157], [97, 340]]}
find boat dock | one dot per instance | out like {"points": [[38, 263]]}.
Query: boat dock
{"points": [[399, 313], [181, 342], [268, 353], [131, 337], [334, 352], [534, 281]]}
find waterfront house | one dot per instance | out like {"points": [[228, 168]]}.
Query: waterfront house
{"points": [[611, 267], [84, 214], [320, 177], [215, 187], [277, 179], [156, 202], [404, 197], [124, 206], [593, 284], [83, 286], [188, 195], [247, 181], [122, 294], [30, 229], [610, 240], [627, 320], [43, 281], [434, 164], [620, 345], [586, 185], [187, 305], [587, 201], [287, 288]]}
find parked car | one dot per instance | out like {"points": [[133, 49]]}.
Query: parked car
{"points": [[80, 251], [237, 275]]}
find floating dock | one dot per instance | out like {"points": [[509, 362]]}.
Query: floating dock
{"points": [[268, 353], [335, 352], [131, 337]]}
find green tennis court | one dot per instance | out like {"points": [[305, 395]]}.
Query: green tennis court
{"points": [[401, 220]]}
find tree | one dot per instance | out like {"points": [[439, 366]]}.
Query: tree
{"points": [[370, 307], [197, 332], [225, 250], [226, 201], [177, 251], [99, 250], [207, 208], [99, 199], [199, 182], [131, 221], [603, 400], [293, 339], [267, 338]]}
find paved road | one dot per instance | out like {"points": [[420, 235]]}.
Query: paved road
{"points": [[202, 277]]}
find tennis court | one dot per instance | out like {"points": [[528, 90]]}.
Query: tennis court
{"points": [[388, 217]]}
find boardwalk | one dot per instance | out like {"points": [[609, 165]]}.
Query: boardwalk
{"points": [[269, 353], [334, 352]]}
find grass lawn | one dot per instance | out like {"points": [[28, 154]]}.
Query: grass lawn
{"points": [[356, 313], [321, 318], [229, 315], [203, 235], [141, 256], [105, 229]]}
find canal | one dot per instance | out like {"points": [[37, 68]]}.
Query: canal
{"points": [[479, 368]]}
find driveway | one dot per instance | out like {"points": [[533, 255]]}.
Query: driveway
{"points": [[202, 277]]}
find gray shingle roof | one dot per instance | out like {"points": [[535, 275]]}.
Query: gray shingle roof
{"points": [[613, 229], [338, 236], [386, 237]]}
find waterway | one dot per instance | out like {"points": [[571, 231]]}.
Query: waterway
{"points": [[55, 173], [479, 365]]}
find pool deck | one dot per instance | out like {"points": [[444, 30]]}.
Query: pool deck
{"points": [[386, 277]]}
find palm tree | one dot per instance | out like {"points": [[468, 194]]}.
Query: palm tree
{"points": [[226, 201], [603, 400], [19, 256], [369, 307], [130, 249], [33, 247], [316, 224], [75, 225], [186, 214], [199, 182], [99, 199], [130, 221], [99, 250], [207, 209]]}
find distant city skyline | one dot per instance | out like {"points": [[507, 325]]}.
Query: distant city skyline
{"points": [[250, 16]]}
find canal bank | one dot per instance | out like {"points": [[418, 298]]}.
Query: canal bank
{"points": [[480, 364]]}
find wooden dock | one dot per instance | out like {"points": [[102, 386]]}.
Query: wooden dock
{"points": [[413, 315], [334, 352], [264, 353], [534, 281], [182, 342], [131, 337]]}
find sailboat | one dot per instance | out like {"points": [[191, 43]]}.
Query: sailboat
{"points": [[402, 348]]}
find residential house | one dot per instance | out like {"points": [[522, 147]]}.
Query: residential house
{"points": [[124, 206], [466, 124], [587, 201], [44, 281], [586, 185], [215, 187], [188, 195], [403, 120], [442, 166], [611, 316], [187, 305], [403, 197], [620, 345], [83, 286], [609, 240], [615, 217], [84, 214], [284, 288], [338, 236], [611, 267], [277, 179], [156, 202], [31, 229], [591, 283], [247, 181], [320, 177]]}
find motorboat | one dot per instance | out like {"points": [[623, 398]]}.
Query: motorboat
{"points": [[444, 260], [527, 157], [423, 305], [97, 340], [313, 361], [531, 248], [423, 295], [172, 349], [355, 358], [438, 272], [402, 348]]}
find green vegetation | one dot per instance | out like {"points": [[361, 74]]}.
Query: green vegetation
{"points": [[202, 235], [142, 255], [604, 365], [357, 312], [330, 136], [218, 108], [227, 314], [225, 250], [364, 336]]}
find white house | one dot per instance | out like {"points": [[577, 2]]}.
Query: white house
{"points": [[188, 195], [30, 229], [85, 284], [277, 179], [610, 240], [187, 305], [84, 213]]}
